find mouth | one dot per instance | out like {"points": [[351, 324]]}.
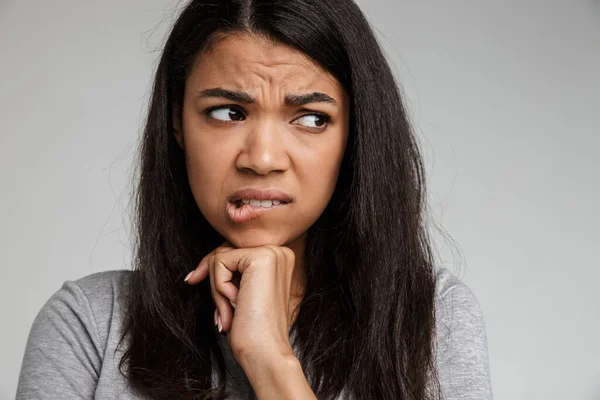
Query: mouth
{"points": [[259, 203], [245, 210], [254, 195]]}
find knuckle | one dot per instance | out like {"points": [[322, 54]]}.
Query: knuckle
{"points": [[273, 254], [266, 254], [289, 253], [217, 260]]}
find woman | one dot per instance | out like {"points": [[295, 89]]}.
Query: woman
{"points": [[281, 248]]}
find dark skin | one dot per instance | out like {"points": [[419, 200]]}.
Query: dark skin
{"points": [[270, 143]]}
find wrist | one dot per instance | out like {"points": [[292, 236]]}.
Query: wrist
{"points": [[277, 377], [266, 360]]}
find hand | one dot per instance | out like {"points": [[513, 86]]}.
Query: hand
{"points": [[258, 328]]}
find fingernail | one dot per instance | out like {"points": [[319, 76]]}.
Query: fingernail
{"points": [[188, 276], [220, 326], [232, 304], [216, 318]]}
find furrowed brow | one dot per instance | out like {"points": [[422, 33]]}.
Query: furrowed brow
{"points": [[292, 100], [240, 97], [302, 99]]}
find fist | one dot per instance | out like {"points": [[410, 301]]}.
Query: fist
{"points": [[257, 314]]}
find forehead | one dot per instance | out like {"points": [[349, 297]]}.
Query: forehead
{"points": [[248, 60]]}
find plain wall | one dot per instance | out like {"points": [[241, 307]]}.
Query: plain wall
{"points": [[504, 96]]}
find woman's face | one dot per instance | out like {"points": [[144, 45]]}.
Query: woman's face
{"points": [[263, 117]]}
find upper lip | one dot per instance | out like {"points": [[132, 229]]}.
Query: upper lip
{"points": [[260, 194]]}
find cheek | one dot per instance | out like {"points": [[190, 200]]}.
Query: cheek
{"points": [[318, 177], [206, 174], [207, 158], [324, 166], [199, 174]]}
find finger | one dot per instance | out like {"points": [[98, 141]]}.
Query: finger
{"points": [[223, 285], [199, 274], [223, 279], [241, 259], [225, 311], [289, 254], [221, 268]]}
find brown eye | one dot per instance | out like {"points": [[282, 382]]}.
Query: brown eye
{"points": [[225, 113], [315, 120]]}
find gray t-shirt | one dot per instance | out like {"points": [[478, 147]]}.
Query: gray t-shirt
{"points": [[70, 351]]}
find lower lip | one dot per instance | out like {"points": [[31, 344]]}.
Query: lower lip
{"points": [[247, 212]]}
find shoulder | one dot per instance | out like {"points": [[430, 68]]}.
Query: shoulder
{"points": [[458, 312], [99, 291], [70, 335], [102, 288], [461, 340], [94, 303], [452, 292], [106, 295]]}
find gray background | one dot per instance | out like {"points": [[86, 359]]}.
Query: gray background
{"points": [[504, 97]]}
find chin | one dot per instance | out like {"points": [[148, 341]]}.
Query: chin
{"points": [[255, 239]]}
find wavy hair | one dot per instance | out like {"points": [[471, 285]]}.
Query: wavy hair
{"points": [[366, 325]]}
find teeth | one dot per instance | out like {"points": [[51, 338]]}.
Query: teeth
{"points": [[261, 203]]}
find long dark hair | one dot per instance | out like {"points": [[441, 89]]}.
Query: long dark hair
{"points": [[367, 321]]}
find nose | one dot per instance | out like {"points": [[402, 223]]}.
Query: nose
{"points": [[263, 149]]}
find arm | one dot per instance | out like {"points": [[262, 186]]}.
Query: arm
{"points": [[62, 357], [462, 347], [281, 378]]}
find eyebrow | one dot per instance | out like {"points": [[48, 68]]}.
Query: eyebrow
{"points": [[293, 99]]}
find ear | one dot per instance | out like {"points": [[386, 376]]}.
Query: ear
{"points": [[177, 131]]}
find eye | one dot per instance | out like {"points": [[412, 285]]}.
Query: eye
{"points": [[225, 113], [316, 120]]}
